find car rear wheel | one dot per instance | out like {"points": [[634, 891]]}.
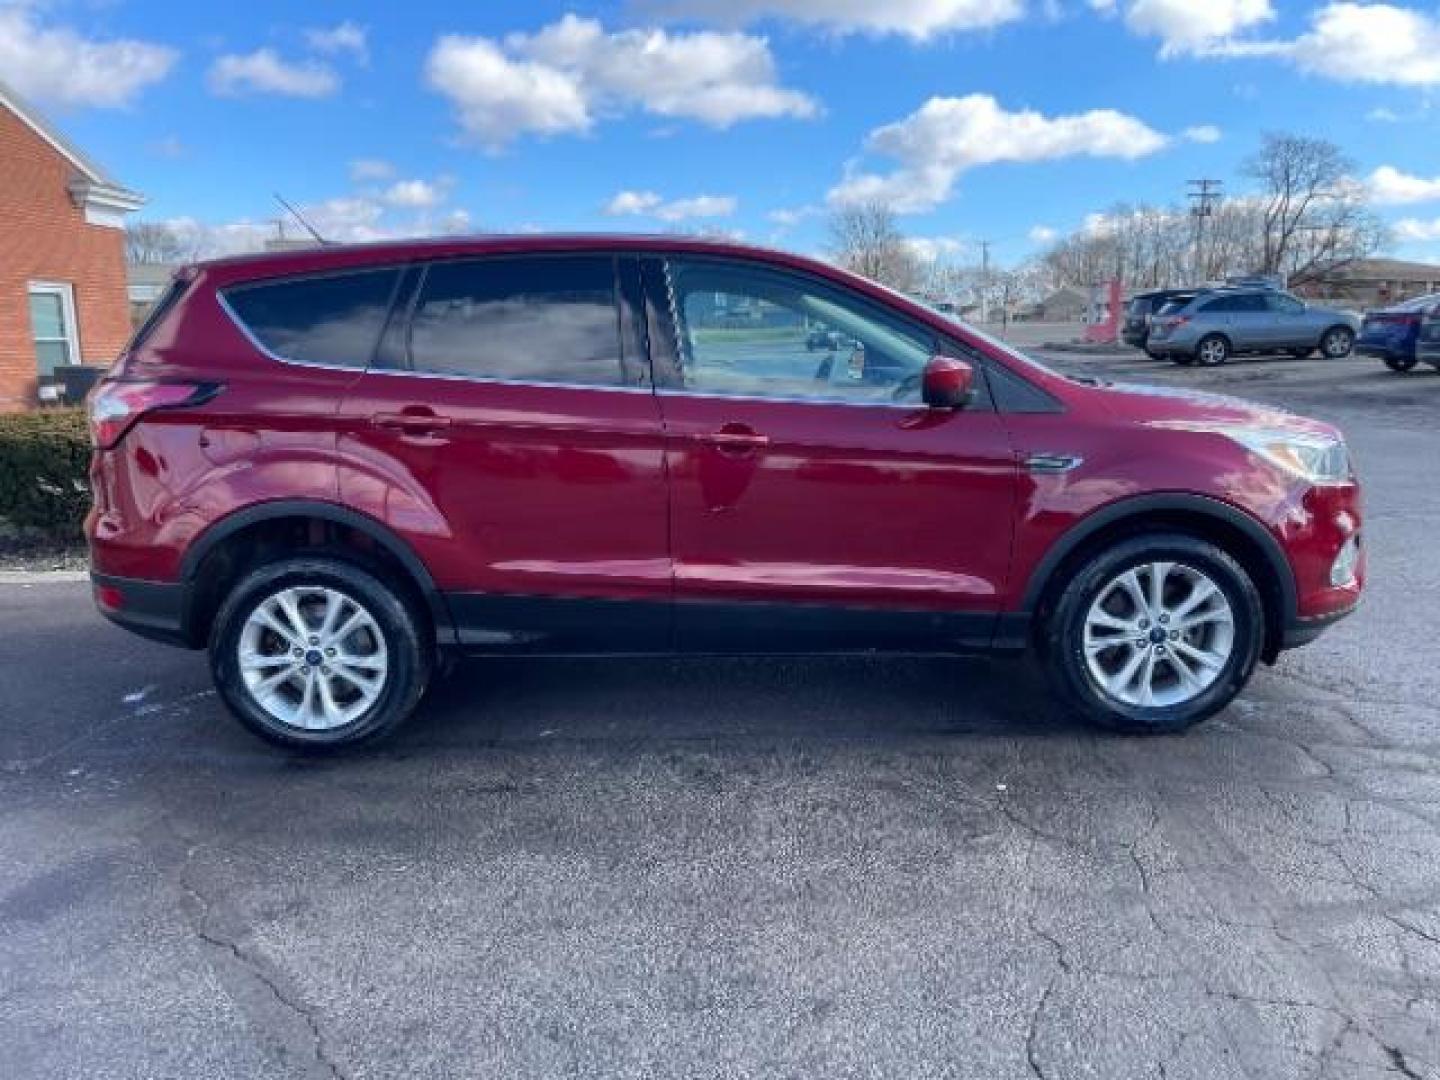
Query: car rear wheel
{"points": [[1155, 634], [1337, 343], [1399, 363], [317, 654], [1213, 350]]}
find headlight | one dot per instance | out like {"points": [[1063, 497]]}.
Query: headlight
{"points": [[1319, 459]]}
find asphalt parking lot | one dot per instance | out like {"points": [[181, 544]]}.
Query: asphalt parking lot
{"points": [[905, 868]]}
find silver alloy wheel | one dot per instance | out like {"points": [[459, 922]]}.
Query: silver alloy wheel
{"points": [[1212, 351], [313, 658], [1158, 635], [1336, 344]]}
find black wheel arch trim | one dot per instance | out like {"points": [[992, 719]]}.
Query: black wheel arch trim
{"points": [[377, 531], [1137, 507]]}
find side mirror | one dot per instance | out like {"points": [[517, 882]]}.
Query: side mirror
{"points": [[947, 383]]}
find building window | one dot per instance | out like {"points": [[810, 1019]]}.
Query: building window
{"points": [[52, 325]]}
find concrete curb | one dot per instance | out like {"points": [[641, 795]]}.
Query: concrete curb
{"points": [[42, 577]]}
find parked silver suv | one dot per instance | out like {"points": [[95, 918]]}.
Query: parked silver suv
{"points": [[1222, 322]]}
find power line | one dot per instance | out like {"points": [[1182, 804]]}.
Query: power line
{"points": [[1206, 193]]}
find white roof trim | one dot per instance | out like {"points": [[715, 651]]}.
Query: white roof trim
{"points": [[98, 177]]}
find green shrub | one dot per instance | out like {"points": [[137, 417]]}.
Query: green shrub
{"points": [[44, 472]]}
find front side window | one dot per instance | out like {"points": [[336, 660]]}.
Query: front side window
{"points": [[541, 319], [52, 326], [334, 319], [748, 331], [1284, 305]]}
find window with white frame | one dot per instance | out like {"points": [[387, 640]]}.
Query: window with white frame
{"points": [[52, 325]]}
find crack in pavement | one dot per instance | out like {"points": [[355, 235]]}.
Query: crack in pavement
{"points": [[252, 968]]}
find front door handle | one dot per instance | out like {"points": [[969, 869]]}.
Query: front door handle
{"points": [[736, 440]]}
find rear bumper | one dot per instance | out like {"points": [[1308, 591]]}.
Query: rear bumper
{"points": [[152, 609], [1384, 351]]}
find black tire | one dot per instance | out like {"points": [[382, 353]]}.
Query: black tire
{"points": [[1337, 342], [401, 624], [1400, 363], [1063, 634], [1217, 343]]}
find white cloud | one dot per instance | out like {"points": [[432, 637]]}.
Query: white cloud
{"points": [[1193, 26], [1417, 230], [346, 37], [649, 204], [1353, 42], [265, 72], [363, 169], [917, 19], [947, 136], [935, 248], [567, 74], [345, 218], [1042, 234], [790, 216], [416, 194], [1382, 115], [55, 64], [1203, 133], [1374, 43], [1391, 187]]}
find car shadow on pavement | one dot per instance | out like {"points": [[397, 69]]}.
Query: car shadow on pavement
{"points": [[516, 701]]}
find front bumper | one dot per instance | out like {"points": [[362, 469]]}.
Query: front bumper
{"points": [[1303, 631], [153, 609]]}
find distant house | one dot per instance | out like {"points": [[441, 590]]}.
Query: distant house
{"points": [[1063, 305], [145, 283], [62, 255], [1369, 282]]}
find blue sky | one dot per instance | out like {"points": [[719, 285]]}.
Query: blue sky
{"points": [[982, 119]]}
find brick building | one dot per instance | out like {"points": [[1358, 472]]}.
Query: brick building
{"points": [[62, 255]]}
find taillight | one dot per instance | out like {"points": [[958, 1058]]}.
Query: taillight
{"points": [[1177, 321], [115, 406]]}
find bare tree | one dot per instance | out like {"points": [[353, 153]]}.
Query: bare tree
{"points": [[1313, 212], [866, 240], [156, 242]]}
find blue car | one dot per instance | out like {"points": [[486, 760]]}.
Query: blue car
{"points": [[1392, 334]]}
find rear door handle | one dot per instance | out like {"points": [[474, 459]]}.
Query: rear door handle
{"points": [[411, 423]]}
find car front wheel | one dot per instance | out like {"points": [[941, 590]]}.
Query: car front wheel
{"points": [[1399, 363], [1155, 634], [313, 653]]}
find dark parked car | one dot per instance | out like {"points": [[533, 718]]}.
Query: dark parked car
{"points": [[1143, 307], [1392, 334], [332, 467], [1219, 323], [1427, 350]]}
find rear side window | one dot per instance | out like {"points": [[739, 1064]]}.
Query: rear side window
{"points": [[546, 319], [333, 320]]}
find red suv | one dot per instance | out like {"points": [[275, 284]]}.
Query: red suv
{"points": [[330, 467]]}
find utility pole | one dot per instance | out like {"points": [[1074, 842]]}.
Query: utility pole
{"points": [[1206, 193], [984, 281]]}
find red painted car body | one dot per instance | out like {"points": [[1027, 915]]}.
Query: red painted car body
{"points": [[718, 522]]}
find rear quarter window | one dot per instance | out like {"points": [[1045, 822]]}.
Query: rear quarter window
{"points": [[333, 319]]}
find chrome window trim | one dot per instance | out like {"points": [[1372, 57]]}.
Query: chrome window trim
{"points": [[907, 407]]}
